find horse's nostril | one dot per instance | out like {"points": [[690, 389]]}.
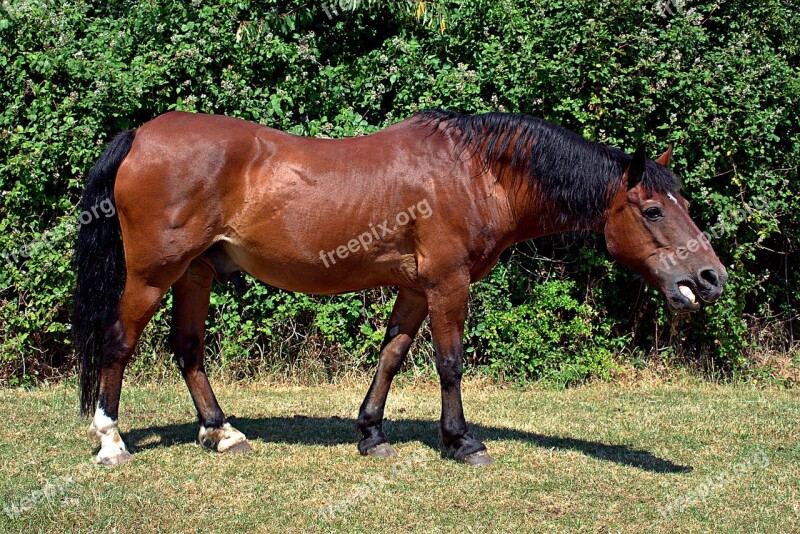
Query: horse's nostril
{"points": [[710, 276]]}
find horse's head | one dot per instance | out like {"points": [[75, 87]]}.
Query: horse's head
{"points": [[651, 232]]}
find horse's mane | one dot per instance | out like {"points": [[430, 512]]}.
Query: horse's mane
{"points": [[572, 171]]}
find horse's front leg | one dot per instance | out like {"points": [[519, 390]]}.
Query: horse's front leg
{"points": [[447, 304]]}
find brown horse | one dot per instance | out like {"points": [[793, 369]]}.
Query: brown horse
{"points": [[427, 204]]}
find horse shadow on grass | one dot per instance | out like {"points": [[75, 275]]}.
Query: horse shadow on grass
{"points": [[322, 431]]}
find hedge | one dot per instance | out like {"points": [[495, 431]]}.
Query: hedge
{"points": [[719, 79]]}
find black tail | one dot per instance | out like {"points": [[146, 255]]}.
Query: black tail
{"points": [[100, 263]]}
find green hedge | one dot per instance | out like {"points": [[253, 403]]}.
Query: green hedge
{"points": [[720, 79]]}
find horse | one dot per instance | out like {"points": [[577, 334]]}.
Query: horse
{"points": [[426, 205]]}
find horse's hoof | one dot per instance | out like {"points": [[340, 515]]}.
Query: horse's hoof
{"points": [[223, 439], [122, 457], [238, 448], [383, 450], [478, 459]]}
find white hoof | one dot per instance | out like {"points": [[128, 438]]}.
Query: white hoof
{"points": [[121, 457], [223, 439], [104, 431]]}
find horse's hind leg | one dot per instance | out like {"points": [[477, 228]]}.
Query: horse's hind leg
{"points": [[138, 303], [191, 295], [409, 311]]}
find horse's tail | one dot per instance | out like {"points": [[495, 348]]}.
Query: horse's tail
{"points": [[100, 264]]}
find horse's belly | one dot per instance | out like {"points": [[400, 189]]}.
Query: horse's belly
{"points": [[325, 273]]}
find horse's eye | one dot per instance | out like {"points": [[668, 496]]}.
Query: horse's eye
{"points": [[653, 213]]}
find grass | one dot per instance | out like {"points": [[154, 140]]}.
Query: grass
{"points": [[602, 458]]}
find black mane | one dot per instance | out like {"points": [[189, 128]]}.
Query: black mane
{"points": [[572, 171]]}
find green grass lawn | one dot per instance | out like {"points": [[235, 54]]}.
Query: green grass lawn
{"points": [[598, 458]]}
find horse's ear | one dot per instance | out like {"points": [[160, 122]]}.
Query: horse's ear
{"points": [[666, 156], [636, 168]]}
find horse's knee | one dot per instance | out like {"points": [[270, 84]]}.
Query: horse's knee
{"points": [[392, 358], [450, 372], [187, 348]]}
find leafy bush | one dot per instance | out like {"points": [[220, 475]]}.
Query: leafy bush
{"points": [[550, 335], [720, 79]]}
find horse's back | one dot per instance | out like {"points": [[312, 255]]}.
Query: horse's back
{"points": [[200, 147]]}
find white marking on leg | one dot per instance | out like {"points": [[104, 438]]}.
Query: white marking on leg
{"points": [[105, 431], [220, 439], [102, 421]]}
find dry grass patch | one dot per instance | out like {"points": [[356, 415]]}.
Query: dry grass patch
{"points": [[597, 458]]}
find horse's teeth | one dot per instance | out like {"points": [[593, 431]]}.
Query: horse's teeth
{"points": [[688, 293]]}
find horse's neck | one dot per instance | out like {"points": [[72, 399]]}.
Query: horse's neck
{"points": [[533, 214]]}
